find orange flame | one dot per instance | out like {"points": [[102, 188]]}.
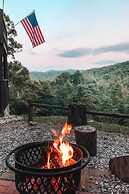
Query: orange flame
{"points": [[48, 159], [64, 149]]}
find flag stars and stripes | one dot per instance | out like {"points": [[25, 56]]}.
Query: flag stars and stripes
{"points": [[33, 30]]}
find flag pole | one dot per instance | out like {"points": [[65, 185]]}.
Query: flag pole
{"points": [[24, 18], [3, 6]]}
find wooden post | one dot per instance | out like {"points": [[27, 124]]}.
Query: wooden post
{"points": [[77, 114], [86, 136], [30, 111], [4, 90]]}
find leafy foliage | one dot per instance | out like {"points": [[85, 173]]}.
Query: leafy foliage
{"points": [[49, 75], [13, 45], [102, 89]]}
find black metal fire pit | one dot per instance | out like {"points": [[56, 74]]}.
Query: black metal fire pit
{"points": [[31, 178]]}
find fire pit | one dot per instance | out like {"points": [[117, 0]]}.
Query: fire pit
{"points": [[39, 169]]}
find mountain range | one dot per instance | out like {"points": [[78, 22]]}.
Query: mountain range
{"points": [[121, 69]]}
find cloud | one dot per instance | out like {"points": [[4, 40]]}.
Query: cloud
{"points": [[105, 62], [33, 53], [121, 47], [79, 52], [64, 36], [75, 53]]}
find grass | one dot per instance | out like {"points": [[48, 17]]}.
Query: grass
{"points": [[107, 127], [50, 119]]}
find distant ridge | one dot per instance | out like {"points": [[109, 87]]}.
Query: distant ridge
{"points": [[121, 69], [67, 70], [50, 75]]}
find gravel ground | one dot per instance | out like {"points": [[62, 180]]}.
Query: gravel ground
{"points": [[108, 145]]}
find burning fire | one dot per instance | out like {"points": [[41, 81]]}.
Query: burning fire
{"points": [[63, 149], [60, 154]]}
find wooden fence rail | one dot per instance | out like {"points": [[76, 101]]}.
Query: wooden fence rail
{"points": [[33, 104], [74, 113], [117, 115]]}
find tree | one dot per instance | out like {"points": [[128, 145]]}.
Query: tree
{"points": [[13, 45], [61, 79], [78, 78], [18, 74], [21, 87], [45, 93]]}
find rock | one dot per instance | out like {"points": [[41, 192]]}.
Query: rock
{"points": [[119, 166], [17, 133], [31, 123]]}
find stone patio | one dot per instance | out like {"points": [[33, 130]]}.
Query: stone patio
{"points": [[89, 181]]}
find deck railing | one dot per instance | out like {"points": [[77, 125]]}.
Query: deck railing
{"points": [[77, 113]]}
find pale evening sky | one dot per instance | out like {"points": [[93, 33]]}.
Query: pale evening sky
{"points": [[79, 34]]}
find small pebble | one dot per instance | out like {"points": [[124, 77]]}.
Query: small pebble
{"points": [[109, 145]]}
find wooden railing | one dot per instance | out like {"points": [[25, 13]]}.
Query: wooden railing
{"points": [[117, 115], [77, 113], [33, 104]]}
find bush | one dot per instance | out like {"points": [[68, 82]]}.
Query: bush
{"points": [[18, 107]]}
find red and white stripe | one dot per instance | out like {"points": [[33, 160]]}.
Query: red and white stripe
{"points": [[34, 34]]}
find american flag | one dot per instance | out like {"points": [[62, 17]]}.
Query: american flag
{"points": [[33, 30]]}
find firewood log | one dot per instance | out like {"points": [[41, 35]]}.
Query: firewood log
{"points": [[86, 136]]}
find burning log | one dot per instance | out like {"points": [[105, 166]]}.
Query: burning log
{"points": [[37, 166], [55, 160], [86, 136], [30, 178]]}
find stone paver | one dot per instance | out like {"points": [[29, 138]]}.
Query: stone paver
{"points": [[84, 192], [89, 181], [8, 175], [8, 187]]}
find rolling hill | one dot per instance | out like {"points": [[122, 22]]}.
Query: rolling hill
{"points": [[121, 69]]}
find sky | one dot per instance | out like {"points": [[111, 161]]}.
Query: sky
{"points": [[79, 34]]}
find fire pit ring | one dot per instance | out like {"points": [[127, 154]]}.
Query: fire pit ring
{"points": [[30, 178]]}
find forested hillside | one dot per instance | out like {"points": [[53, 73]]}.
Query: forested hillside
{"points": [[110, 86], [102, 89], [105, 88], [48, 75], [100, 73]]}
